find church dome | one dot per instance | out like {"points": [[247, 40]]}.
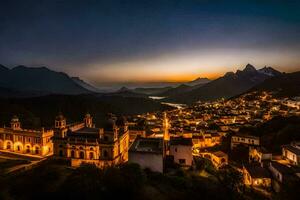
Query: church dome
{"points": [[59, 117], [15, 119]]}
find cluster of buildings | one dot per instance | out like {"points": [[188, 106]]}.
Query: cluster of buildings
{"points": [[176, 136], [79, 142], [205, 126], [26, 141]]}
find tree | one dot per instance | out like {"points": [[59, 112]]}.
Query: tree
{"points": [[231, 178]]}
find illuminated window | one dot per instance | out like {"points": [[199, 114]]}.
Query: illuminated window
{"points": [[91, 155]]}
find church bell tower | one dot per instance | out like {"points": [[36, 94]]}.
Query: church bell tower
{"points": [[88, 120], [60, 121], [15, 123]]}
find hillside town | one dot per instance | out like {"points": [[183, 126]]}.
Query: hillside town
{"points": [[163, 141], [215, 131]]}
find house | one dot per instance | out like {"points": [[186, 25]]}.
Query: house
{"points": [[135, 132], [281, 174], [219, 159], [291, 152], [259, 154], [206, 140], [247, 140], [257, 176], [148, 153], [181, 150]]}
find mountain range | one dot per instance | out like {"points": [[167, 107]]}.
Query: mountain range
{"points": [[22, 81], [39, 80], [229, 85], [171, 88]]}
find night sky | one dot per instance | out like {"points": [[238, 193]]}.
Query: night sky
{"points": [[120, 41]]}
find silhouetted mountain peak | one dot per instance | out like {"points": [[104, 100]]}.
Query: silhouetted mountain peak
{"points": [[269, 71], [201, 79], [39, 79], [231, 84], [249, 68], [198, 81]]}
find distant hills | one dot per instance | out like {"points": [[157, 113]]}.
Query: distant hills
{"points": [[36, 95], [172, 89], [39, 80], [231, 84], [198, 81], [152, 90], [22, 81]]}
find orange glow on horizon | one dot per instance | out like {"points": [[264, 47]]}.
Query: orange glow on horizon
{"points": [[187, 66], [188, 77], [171, 78]]}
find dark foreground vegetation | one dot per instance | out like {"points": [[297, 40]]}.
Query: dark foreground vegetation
{"points": [[55, 180]]}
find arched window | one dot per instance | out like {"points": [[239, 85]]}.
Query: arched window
{"points": [[81, 148], [27, 149], [91, 149], [8, 146], [72, 154], [81, 155], [18, 148], [91, 155], [37, 150]]}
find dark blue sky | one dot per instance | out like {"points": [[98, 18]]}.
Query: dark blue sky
{"points": [[149, 40]]}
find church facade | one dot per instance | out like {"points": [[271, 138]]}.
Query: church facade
{"points": [[26, 141], [83, 143]]}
